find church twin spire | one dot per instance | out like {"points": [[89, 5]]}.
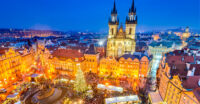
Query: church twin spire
{"points": [[131, 19], [114, 20], [132, 9], [114, 11], [121, 41]]}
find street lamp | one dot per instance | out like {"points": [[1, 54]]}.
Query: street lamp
{"points": [[101, 42]]}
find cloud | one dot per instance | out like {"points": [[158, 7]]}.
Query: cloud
{"points": [[41, 27]]}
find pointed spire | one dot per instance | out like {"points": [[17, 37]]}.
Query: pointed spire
{"points": [[132, 9], [132, 19], [114, 11]]}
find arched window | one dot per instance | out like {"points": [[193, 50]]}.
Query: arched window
{"points": [[130, 30], [112, 30]]}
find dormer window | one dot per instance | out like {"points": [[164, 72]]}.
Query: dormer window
{"points": [[173, 67], [182, 59]]}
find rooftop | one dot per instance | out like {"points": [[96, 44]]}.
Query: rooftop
{"points": [[161, 43], [91, 50], [67, 53], [191, 82], [155, 97], [137, 55]]}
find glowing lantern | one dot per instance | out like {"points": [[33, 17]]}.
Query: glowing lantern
{"points": [[13, 78], [1, 85], [107, 84]]}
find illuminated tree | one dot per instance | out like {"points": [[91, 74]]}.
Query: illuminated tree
{"points": [[67, 101], [80, 83], [10, 101]]}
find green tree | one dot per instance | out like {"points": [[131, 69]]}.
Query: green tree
{"points": [[80, 83]]}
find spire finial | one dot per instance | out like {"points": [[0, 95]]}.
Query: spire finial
{"points": [[114, 11], [114, 5], [132, 4], [132, 9]]}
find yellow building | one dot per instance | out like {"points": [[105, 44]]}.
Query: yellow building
{"points": [[28, 58], [177, 89], [130, 66], [13, 64], [156, 37], [121, 42], [107, 66], [186, 34], [174, 93], [91, 62], [65, 61]]}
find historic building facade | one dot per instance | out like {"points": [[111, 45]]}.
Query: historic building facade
{"points": [[91, 62], [65, 61], [13, 65], [132, 67], [186, 34], [121, 41], [178, 78]]}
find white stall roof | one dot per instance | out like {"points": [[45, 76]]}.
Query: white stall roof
{"points": [[19, 102], [122, 99], [112, 88]]}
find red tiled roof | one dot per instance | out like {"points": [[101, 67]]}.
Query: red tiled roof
{"points": [[197, 69], [191, 82], [178, 59], [3, 50], [67, 53], [180, 69]]}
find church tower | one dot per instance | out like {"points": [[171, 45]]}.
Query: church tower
{"points": [[131, 22], [121, 41], [113, 23]]}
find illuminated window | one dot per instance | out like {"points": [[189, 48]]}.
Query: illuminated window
{"points": [[130, 30], [112, 30]]}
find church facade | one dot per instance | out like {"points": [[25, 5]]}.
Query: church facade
{"points": [[121, 41]]}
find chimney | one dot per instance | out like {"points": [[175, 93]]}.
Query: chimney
{"points": [[188, 66], [199, 82], [191, 72]]}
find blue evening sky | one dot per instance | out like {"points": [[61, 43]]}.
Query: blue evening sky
{"points": [[92, 15]]}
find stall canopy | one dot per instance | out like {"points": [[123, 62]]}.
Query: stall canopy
{"points": [[111, 88], [133, 98]]}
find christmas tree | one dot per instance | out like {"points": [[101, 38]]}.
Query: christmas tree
{"points": [[80, 83]]}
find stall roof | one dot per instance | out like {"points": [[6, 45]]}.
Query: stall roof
{"points": [[134, 98], [112, 88]]}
